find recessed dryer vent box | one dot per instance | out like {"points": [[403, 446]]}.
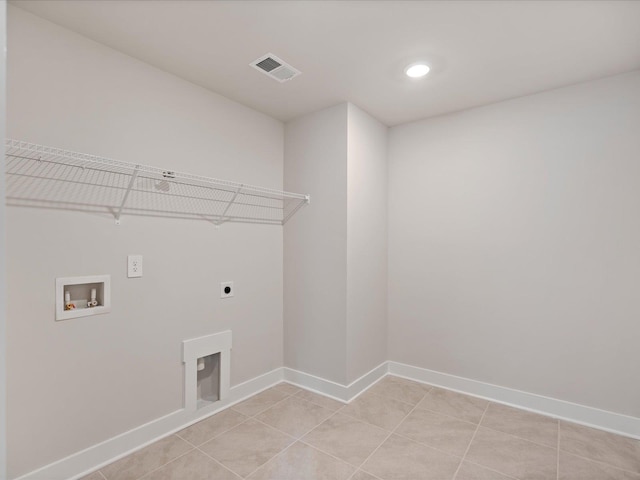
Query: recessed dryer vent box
{"points": [[82, 296], [206, 370]]}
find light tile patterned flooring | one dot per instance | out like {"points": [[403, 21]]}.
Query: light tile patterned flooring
{"points": [[397, 430]]}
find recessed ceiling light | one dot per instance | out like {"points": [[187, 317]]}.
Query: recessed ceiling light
{"points": [[417, 70]]}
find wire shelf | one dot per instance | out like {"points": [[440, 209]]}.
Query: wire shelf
{"points": [[48, 177]]}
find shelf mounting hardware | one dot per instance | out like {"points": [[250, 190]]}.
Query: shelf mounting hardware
{"points": [[226, 209], [126, 194]]}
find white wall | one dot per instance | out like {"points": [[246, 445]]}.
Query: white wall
{"points": [[366, 243], [335, 253], [75, 383], [513, 244], [3, 285], [315, 245]]}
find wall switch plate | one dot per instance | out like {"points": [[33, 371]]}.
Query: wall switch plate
{"points": [[226, 289], [134, 266]]}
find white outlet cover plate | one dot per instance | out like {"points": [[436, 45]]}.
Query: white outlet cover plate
{"points": [[223, 285], [134, 266]]}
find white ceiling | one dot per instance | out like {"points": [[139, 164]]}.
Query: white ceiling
{"points": [[480, 51]]}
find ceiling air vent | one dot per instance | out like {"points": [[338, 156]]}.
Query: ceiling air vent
{"points": [[274, 67]]}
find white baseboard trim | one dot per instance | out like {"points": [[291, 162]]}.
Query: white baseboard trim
{"points": [[104, 453], [572, 412], [337, 391]]}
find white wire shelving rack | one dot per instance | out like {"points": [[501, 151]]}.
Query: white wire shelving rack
{"points": [[48, 177]]}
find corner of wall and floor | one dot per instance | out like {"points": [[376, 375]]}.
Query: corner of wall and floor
{"points": [[513, 234], [447, 220], [129, 362]]}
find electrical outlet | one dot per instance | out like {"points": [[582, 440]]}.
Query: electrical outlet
{"points": [[226, 289], [134, 266]]}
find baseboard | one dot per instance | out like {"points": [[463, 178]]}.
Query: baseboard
{"points": [[337, 391], [572, 412], [97, 456], [104, 453]]}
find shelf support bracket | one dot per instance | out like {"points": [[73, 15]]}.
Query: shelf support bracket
{"points": [[126, 194], [302, 203], [226, 209]]}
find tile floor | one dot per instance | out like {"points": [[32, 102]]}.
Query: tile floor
{"points": [[397, 430]]}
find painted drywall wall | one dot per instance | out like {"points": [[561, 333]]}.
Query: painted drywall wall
{"points": [[78, 382], [3, 283], [335, 267], [513, 244], [315, 245], [366, 243]]}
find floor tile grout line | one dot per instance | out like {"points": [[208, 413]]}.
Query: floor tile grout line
{"points": [[165, 464], [187, 441], [390, 433], [253, 471], [471, 441], [326, 453], [276, 455], [444, 414], [432, 387], [288, 395], [218, 462], [286, 448], [395, 432], [316, 405], [291, 395], [389, 436], [490, 469], [518, 436], [416, 406], [369, 473], [277, 429], [427, 445], [358, 467], [226, 431], [329, 454], [546, 445], [421, 443], [360, 470], [306, 433], [396, 398], [369, 423], [483, 426], [216, 435], [391, 398], [302, 390], [520, 409], [374, 451], [600, 462]]}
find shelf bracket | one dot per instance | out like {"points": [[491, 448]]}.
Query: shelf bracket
{"points": [[226, 209], [126, 194], [306, 201]]}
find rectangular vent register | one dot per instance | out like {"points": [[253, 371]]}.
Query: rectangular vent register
{"points": [[275, 68]]}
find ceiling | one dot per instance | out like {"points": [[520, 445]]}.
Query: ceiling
{"points": [[480, 51]]}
